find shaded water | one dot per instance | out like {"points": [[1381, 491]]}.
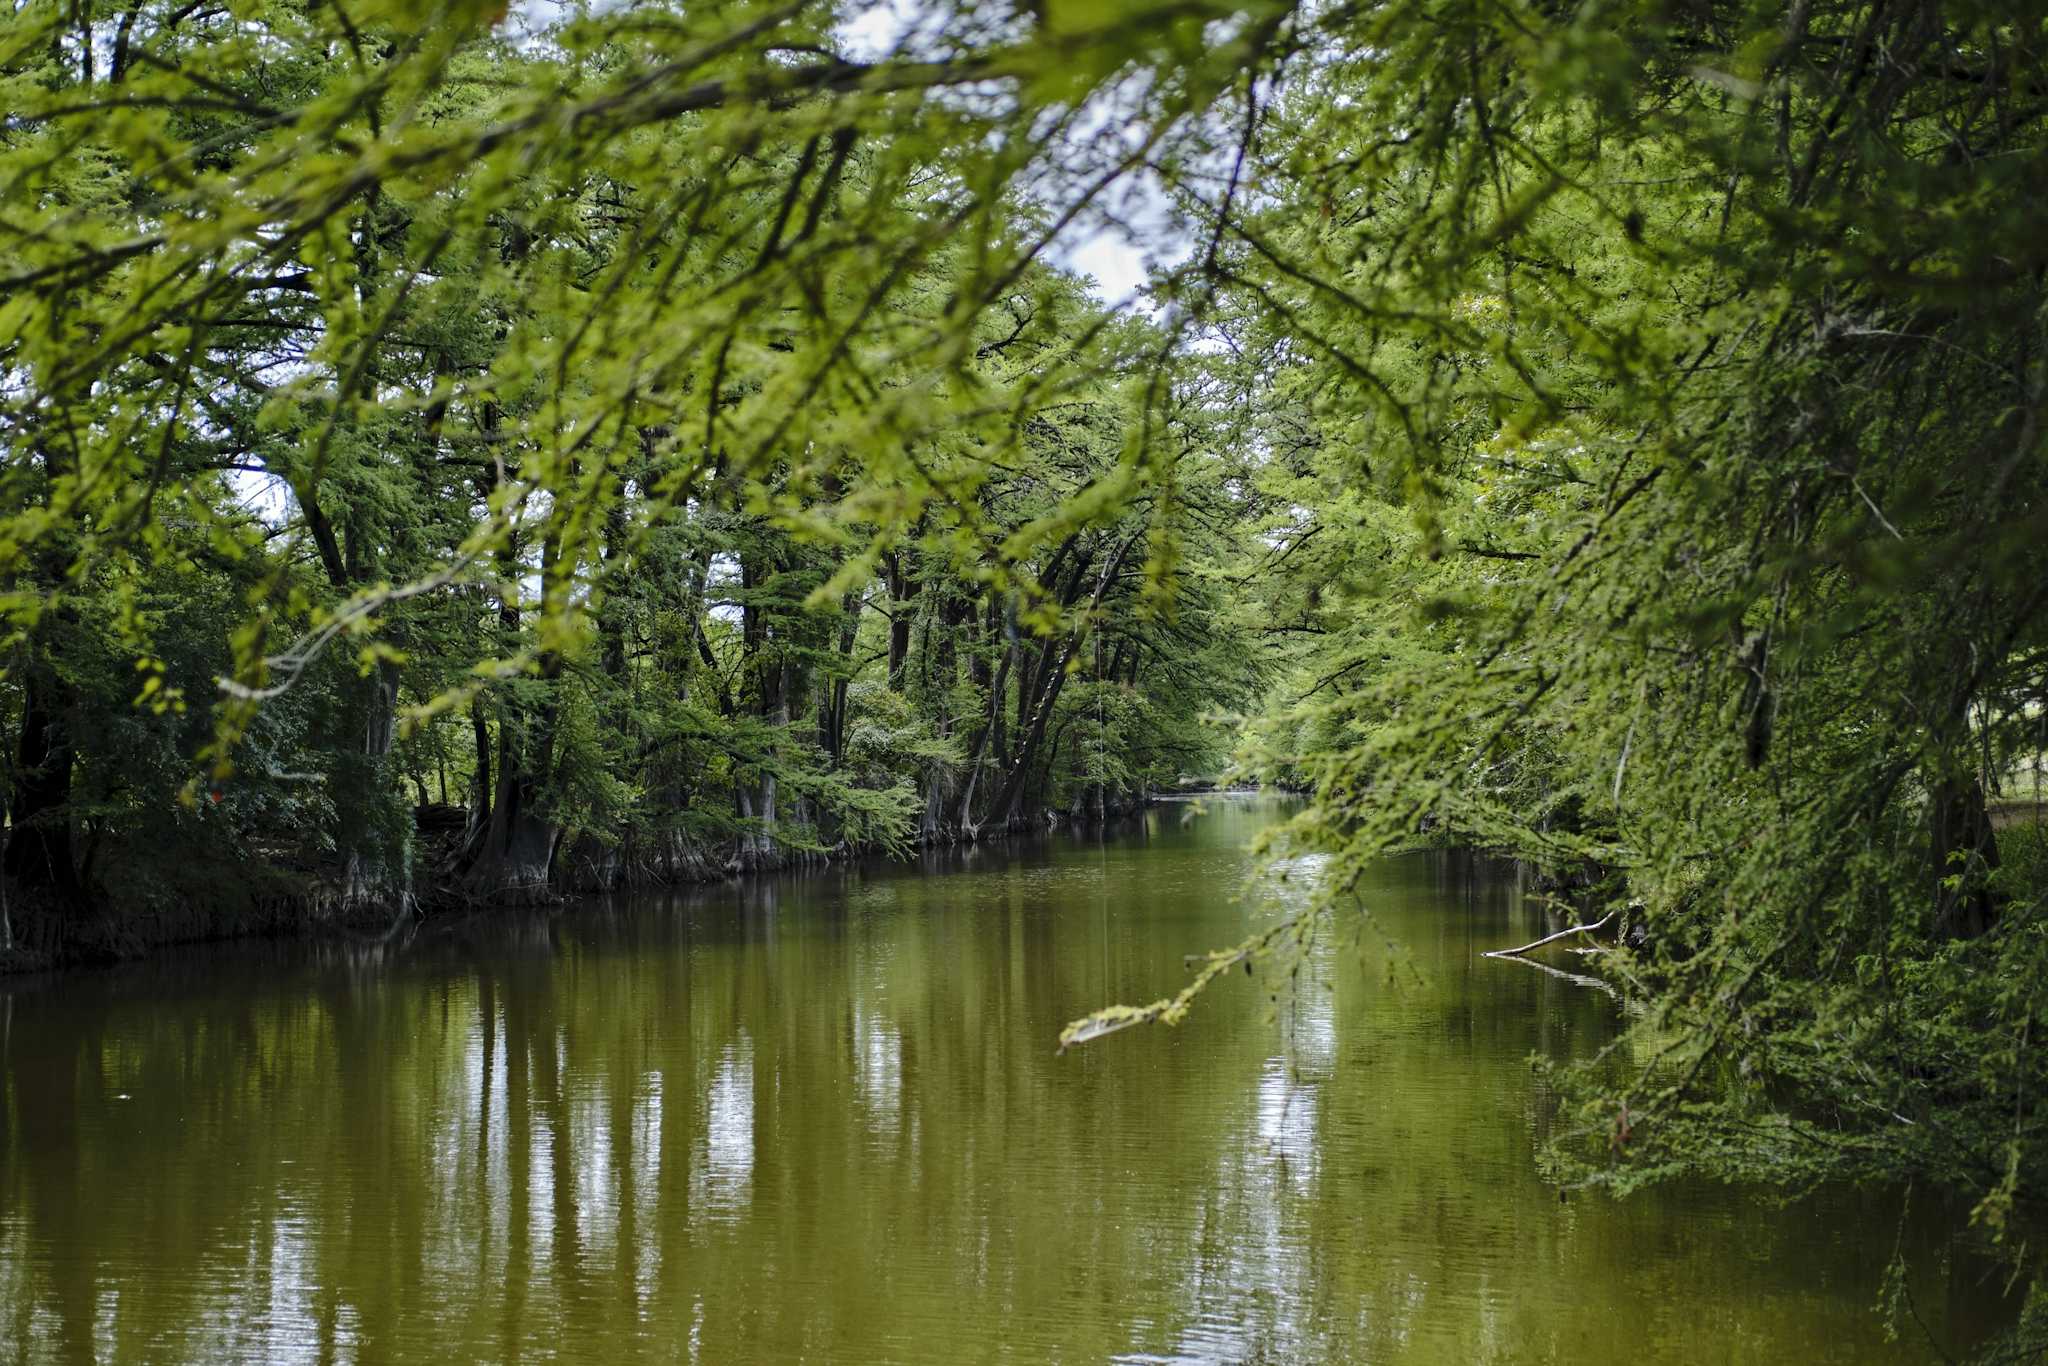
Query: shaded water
{"points": [[821, 1118]]}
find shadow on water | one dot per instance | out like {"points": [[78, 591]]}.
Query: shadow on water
{"points": [[819, 1116]]}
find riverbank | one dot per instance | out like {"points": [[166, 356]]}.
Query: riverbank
{"points": [[40, 934]]}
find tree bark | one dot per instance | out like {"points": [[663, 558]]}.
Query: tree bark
{"points": [[904, 588], [1964, 850], [1007, 803], [367, 874], [991, 730], [765, 678], [518, 846], [515, 858], [39, 847]]}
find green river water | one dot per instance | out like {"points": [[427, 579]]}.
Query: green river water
{"points": [[821, 1118]]}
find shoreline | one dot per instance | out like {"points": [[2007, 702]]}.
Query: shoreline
{"points": [[92, 938]]}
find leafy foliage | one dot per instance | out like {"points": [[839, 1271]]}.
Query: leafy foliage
{"points": [[522, 419]]}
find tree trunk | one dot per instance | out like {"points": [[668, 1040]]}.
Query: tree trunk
{"points": [[1964, 849], [832, 697], [903, 591], [765, 675], [480, 780], [980, 669], [518, 845], [39, 852], [991, 736], [516, 855], [1052, 676], [368, 872], [945, 661]]}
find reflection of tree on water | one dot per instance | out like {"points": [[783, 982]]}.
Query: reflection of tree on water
{"points": [[878, 1069], [725, 1160], [1248, 1288], [822, 1117]]}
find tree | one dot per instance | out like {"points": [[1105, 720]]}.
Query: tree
{"points": [[551, 401], [1651, 407]]}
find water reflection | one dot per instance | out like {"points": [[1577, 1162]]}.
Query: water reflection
{"points": [[820, 1118], [725, 1162], [878, 1072]]}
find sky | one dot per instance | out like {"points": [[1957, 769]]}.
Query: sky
{"points": [[1107, 253]]}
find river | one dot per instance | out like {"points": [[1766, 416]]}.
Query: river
{"points": [[820, 1117]]}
